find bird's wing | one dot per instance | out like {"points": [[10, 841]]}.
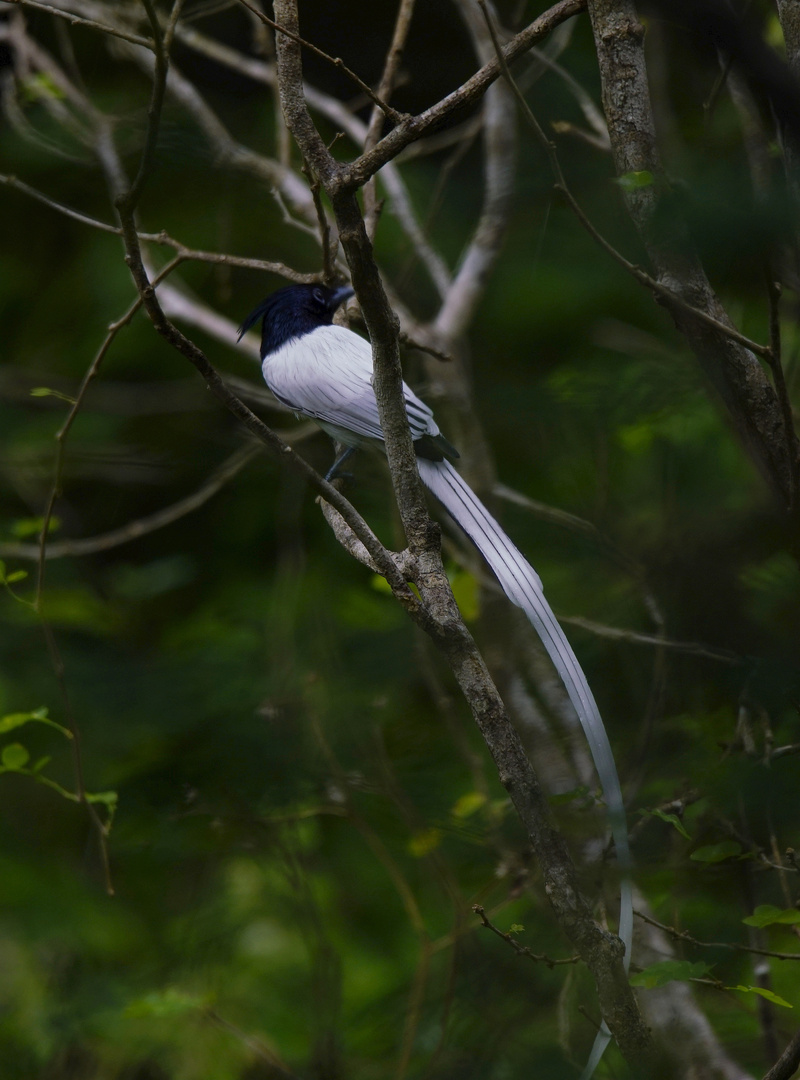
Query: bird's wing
{"points": [[327, 375]]}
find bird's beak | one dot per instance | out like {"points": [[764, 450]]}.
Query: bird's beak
{"points": [[340, 295]]}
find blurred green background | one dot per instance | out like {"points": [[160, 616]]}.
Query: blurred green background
{"points": [[304, 815]]}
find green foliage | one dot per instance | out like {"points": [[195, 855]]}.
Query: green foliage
{"points": [[633, 181], [39, 716], [716, 853], [666, 971], [769, 915], [768, 995], [671, 819]]}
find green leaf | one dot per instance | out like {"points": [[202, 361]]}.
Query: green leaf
{"points": [[669, 971], [671, 819], [171, 1002], [40, 86], [516, 928], [768, 994], [16, 575], [768, 914], [467, 593], [14, 757], [633, 181], [15, 720], [714, 853], [568, 796], [45, 391], [107, 798], [424, 842], [22, 528], [773, 32], [467, 804]]}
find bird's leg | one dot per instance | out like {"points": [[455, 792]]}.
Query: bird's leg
{"points": [[333, 471]]}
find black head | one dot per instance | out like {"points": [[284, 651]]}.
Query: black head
{"points": [[294, 311]]}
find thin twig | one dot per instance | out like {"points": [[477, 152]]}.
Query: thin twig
{"points": [[328, 248], [401, 204], [133, 530], [666, 294], [683, 935], [63, 432], [521, 950], [187, 254], [77, 20], [774, 360], [390, 68], [690, 648], [393, 115], [785, 751], [255, 1045]]}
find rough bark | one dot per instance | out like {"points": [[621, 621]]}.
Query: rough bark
{"points": [[734, 371]]}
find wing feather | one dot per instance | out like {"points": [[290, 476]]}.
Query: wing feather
{"points": [[327, 375]]}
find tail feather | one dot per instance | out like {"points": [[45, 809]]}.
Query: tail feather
{"points": [[522, 586]]}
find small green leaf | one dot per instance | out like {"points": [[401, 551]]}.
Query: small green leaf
{"points": [[632, 181], [14, 757], [424, 842], [107, 798], [768, 914], [40, 764], [466, 593], [40, 86], [568, 796], [714, 853], [468, 804], [15, 720], [16, 575], [516, 928], [22, 528], [171, 1002], [669, 971], [45, 391], [773, 32], [671, 819], [768, 994]]}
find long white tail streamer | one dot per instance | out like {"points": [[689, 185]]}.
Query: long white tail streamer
{"points": [[522, 586]]}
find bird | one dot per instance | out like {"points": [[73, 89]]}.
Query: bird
{"points": [[324, 371]]}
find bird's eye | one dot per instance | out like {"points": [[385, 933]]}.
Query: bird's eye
{"points": [[318, 296]]}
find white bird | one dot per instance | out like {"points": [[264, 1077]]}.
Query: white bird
{"points": [[325, 372]]}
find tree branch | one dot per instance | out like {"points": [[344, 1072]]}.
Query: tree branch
{"points": [[729, 364], [601, 951]]}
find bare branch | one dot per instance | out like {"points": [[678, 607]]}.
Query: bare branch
{"points": [[186, 254], [77, 20], [391, 64], [690, 648], [390, 113], [683, 935], [415, 127], [521, 950], [60, 549], [500, 149]]}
